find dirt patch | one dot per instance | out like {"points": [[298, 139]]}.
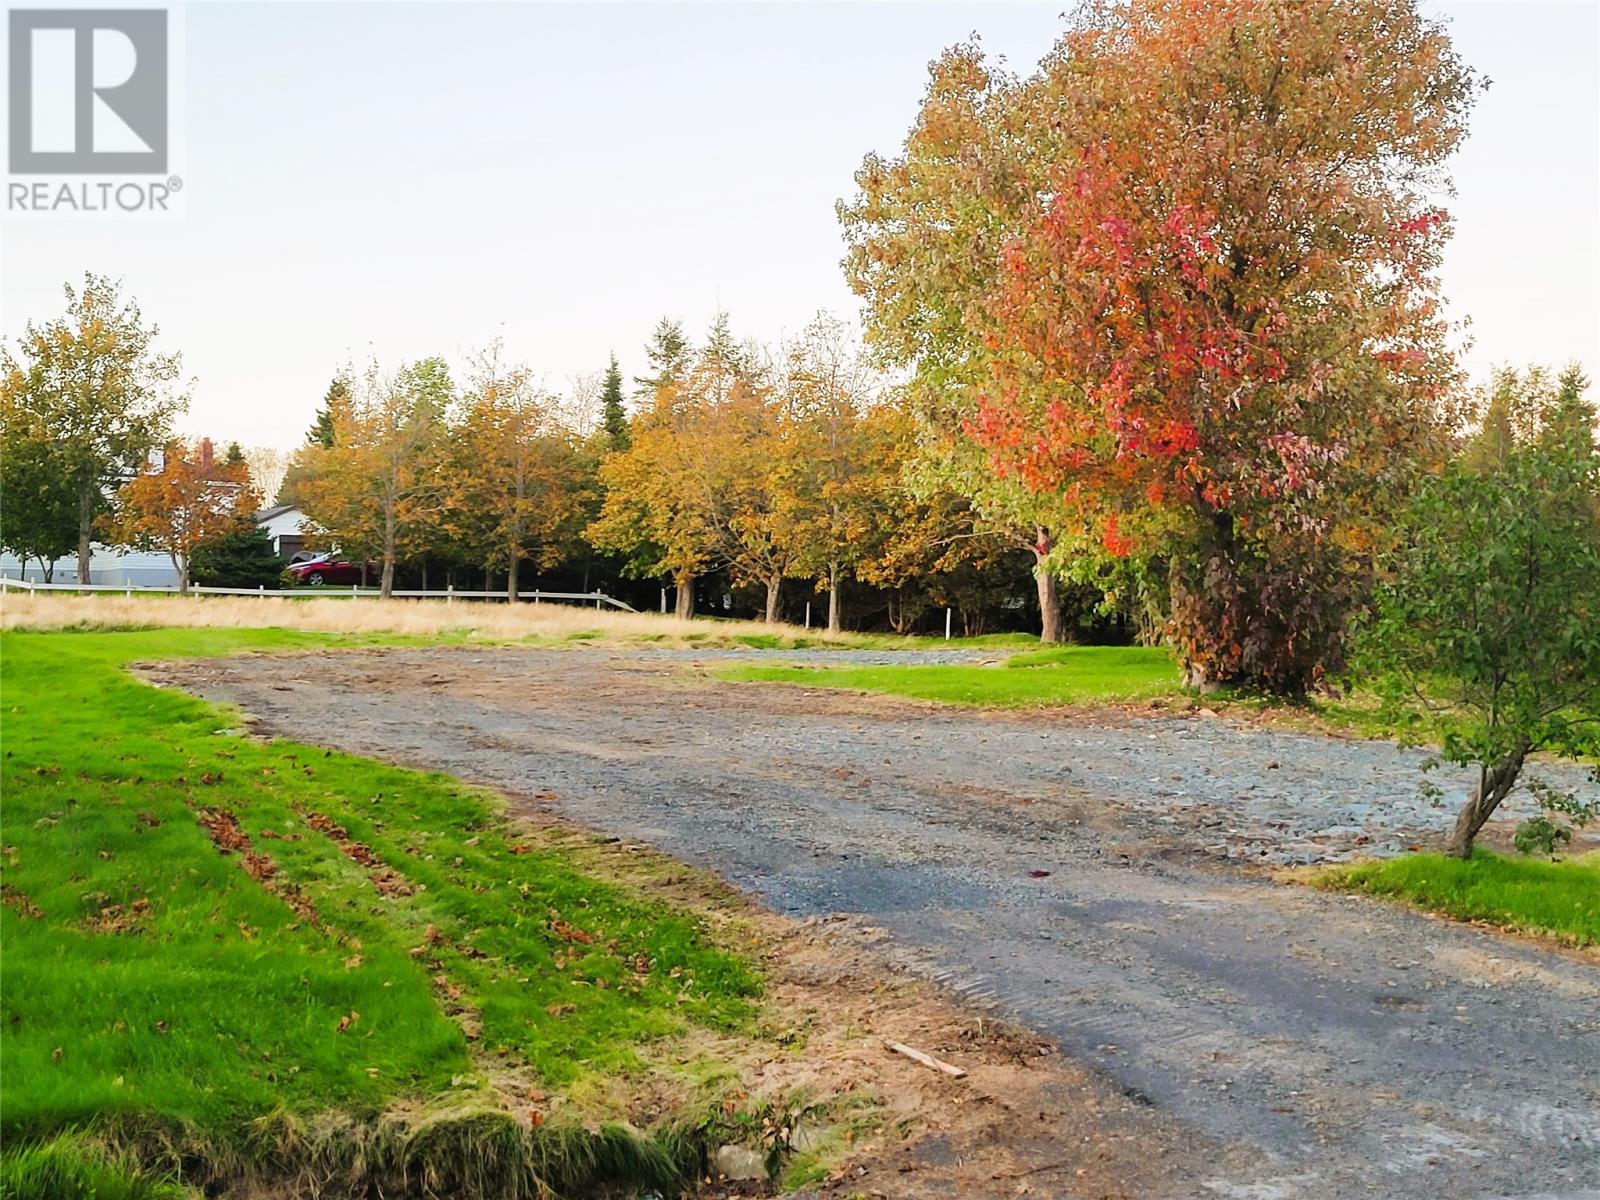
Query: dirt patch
{"points": [[1023, 1121], [18, 902], [108, 917]]}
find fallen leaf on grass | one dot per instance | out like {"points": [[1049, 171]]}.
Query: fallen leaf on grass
{"points": [[571, 932]]}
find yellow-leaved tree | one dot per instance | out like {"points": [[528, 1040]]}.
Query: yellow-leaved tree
{"points": [[377, 486], [514, 480]]}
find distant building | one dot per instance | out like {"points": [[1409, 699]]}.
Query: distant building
{"points": [[286, 526], [139, 568]]}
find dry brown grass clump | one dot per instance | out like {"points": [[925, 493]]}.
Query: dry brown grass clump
{"points": [[421, 618]]}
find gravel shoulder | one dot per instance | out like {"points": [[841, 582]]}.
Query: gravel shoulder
{"points": [[1077, 872]]}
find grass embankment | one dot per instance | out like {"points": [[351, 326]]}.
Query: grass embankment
{"points": [[1560, 900], [1058, 675], [239, 957]]}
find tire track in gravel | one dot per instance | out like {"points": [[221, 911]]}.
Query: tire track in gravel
{"points": [[1363, 1050]]}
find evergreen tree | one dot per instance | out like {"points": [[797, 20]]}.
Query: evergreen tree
{"points": [[1490, 449], [614, 416], [337, 395], [723, 362], [234, 454], [1571, 418], [668, 355], [244, 560]]}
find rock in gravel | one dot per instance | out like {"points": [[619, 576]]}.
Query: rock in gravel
{"points": [[738, 1162]]}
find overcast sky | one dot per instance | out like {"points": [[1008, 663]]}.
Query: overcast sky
{"points": [[414, 179]]}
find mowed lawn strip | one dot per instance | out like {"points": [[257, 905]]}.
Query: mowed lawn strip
{"points": [[203, 928], [1558, 899], [1059, 675]]}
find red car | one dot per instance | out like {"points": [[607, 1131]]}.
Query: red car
{"points": [[325, 569]]}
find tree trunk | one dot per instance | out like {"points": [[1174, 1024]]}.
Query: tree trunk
{"points": [[180, 563], [1050, 625], [511, 577], [684, 584], [1494, 784], [85, 524], [774, 593], [48, 568], [835, 604], [386, 585]]}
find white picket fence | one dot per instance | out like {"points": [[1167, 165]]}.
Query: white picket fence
{"points": [[448, 595]]}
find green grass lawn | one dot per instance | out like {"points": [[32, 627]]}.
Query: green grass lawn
{"points": [[1559, 899], [202, 930], [1057, 675]]}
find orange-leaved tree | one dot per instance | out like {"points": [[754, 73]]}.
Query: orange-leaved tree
{"points": [[697, 489], [192, 498], [377, 486], [514, 483], [1183, 281]]}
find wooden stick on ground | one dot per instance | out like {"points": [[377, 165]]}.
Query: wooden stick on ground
{"points": [[926, 1060]]}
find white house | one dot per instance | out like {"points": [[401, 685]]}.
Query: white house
{"points": [[285, 525], [141, 568]]}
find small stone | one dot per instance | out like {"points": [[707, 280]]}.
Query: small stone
{"points": [[738, 1162]]}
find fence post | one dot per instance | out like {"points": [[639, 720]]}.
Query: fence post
{"points": [[663, 602], [808, 614], [450, 593], [261, 589], [597, 599], [947, 613], [127, 589], [355, 591]]}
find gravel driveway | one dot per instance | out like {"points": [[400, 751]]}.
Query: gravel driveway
{"points": [[1072, 872]]}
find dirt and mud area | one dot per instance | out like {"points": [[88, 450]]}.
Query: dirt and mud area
{"points": [[1095, 877]]}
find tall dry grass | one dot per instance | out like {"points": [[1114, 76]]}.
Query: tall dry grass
{"points": [[421, 618]]}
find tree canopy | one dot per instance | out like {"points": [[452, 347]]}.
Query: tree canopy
{"points": [[94, 379], [1490, 618], [1182, 284]]}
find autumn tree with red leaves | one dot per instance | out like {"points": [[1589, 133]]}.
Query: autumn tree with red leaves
{"points": [[1181, 283], [190, 500]]}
